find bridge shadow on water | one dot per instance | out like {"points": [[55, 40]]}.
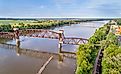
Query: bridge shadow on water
{"points": [[35, 53], [55, 64]]}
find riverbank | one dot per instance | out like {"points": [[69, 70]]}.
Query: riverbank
{"points": [[87, 53], [111, 61], [7, 25]]}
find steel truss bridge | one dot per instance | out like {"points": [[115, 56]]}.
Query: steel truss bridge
{"points": [[41, 33]]}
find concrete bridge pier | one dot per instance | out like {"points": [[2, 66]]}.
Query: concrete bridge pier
{"points": [[18, 48], [16, 34], [60, 52], [60, 45]]}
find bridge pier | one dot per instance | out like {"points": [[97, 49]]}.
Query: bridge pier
{"points": [[60, 45], [18, 48], [60, 52], [16, 34]]}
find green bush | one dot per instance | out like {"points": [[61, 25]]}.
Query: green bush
{"points": [[85, 58], [5, 28], [111, 61]]}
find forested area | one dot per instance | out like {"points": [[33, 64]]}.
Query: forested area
{"points": [[87, 53], [111, 61]]}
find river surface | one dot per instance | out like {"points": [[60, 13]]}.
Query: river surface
{"points": [[11, 63]]}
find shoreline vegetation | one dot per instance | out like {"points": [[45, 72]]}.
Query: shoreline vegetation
{"points": [[87, 53], [111, 61], [7, 25]]}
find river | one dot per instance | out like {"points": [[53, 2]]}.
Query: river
{"points": [[11, 63]]}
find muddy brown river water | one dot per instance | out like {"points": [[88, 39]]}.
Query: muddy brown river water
{"points": [[27, 63]]}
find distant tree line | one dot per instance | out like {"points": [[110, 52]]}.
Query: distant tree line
{"points": [[35, 25]]}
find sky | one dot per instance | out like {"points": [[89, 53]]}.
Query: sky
{"points": [[60, 8]]}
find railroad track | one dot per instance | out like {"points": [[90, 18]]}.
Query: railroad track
{"points": [[97, 66]]}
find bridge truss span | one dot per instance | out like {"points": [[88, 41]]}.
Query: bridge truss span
{"points": [[74, 41], [8, 35], [41, 33]]}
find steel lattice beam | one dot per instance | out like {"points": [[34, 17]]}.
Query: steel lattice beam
{"points": [[7, 35], [74, 41], [40, 33]]}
